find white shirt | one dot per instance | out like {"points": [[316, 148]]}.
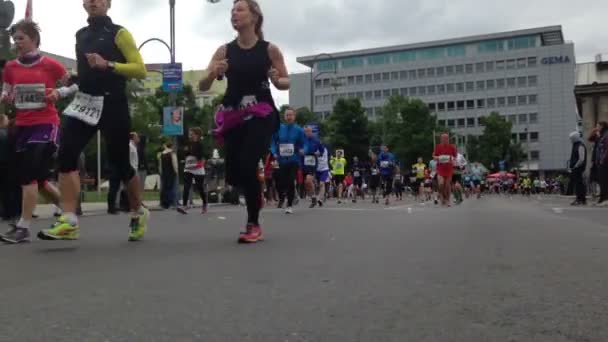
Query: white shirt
{"points": [[133, 157], [323, 161]]}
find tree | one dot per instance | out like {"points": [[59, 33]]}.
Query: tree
{"points": [[348, 128], [407, 126]]}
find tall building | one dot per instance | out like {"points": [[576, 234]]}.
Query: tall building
{"points": [[527, 76]]}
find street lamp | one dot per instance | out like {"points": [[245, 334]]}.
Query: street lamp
{"points": [[313, 77]]}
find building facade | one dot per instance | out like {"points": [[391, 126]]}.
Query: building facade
{"points": [[527, 76]]}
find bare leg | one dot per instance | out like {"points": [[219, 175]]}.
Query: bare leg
{"points": [[69, 186], [134, 193], [51, 193], [30, 198]]}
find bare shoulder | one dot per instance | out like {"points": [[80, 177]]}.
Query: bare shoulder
{"points": [[220, 53], [274, 51]]}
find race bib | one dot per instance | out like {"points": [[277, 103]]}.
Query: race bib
{"points": [[310, 160], [357, 174], [86, 108], [384, 164], [338, 165], [374, 172], [191, 162], [444, 158], [248, 100], [286, 150], [30, 96]]}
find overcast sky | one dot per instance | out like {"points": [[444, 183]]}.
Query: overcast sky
{"points": [[313, 26]]}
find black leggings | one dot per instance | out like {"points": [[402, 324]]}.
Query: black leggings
{"points": [[387, 184], [200, 186], [287, 178], [244, 147]]}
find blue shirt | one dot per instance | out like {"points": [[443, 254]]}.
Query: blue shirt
{"points": [[287, 143], [386, 162]]}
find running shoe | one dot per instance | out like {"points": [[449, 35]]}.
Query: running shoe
{"points": [[139, 225], [313, 203], [320, 203], [204, 210], [61, 230], [182, 210], [19, 235], [281, 204], [10, 232], [289, 210], [252, 234]]}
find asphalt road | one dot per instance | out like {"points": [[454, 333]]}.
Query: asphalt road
{"points": [[494, 269]]}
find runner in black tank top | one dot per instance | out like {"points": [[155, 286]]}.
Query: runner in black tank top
{"points": [[248, 117]]}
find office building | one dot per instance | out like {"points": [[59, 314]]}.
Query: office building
{"points": [[527, 76]]}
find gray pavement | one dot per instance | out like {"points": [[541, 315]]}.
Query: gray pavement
{"points": [[495, 269]]}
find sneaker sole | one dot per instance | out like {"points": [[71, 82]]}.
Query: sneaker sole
{"points": [[245, 241], [47, 237], [15, 242]]}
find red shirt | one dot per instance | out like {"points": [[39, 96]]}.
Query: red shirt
{"points": [[443, 152], [30, 83]]}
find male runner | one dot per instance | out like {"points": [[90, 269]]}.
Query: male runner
{"points": [[312, 149], [322, 173], [477, 177], [445, 154], [106, 56], [418, 171], [386, 161], [358, 170], [338, 165]]}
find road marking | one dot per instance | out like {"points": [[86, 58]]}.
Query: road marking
{"points": [[558, 210]]}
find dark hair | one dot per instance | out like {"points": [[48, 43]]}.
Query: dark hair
{"points": [[29, 28], [197, 130], [254, 8], [604, 125]]}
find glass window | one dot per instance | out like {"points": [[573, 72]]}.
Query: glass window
{"points": [[440, 71], [460, 105], [500, 83], [523, 137], [413, 91], [451, 123], [511, 82], [406, 56], [431, 53], [441, 89], [421, 73], [491, 102], [481, 85], [534, 136], [326, 99], [449, 70], [500, 65], [521, 43], [412, 74], [490, 46], [521, 63], [470, 104], [468, 68], [351, 95], [351, 80], [403, 75], [531, 62], [534, 155], [460, 87], [377, 94], [386, 76], [451, 105], [457, 51], [480, 121], [326, 83], [394, 92], [481, 103], [460, 123], [522, 100], [450, 88], [510, 64], [490, 84], [353, 62], [523, 119], [422, 90], [430, 72], [334, 98], [441, 106], [403, 92], [501, 101], [318, 99], [395, 75], [512, 101], [533, 99], [431, 90], [386, 93], [470, 86], [489, 66], [318, 83], [379, 59], [432, 106], [533, 118], [522, 82], [480, 67], [359, 79], [368, 78], [532, 81], [377, 77], [369, 95], [470, 122], [441, 123], [326, 65], [513, 119], [514, 137], [459, 69]]}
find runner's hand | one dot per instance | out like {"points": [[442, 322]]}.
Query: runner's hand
{"points": [[96, 61], [273, 74], [220, 67], [53, 95]]}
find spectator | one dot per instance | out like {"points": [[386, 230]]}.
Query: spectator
{"points": [[168, 173], [578, 162], [602, 162], [594, 171]]}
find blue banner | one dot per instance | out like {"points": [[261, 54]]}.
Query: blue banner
{"points": [[172, 77], [173, 121]]}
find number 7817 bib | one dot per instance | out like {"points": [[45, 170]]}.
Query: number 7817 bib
{"points": [[86, 108]]}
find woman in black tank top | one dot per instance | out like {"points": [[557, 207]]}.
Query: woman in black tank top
{"points": [[248, 116]]}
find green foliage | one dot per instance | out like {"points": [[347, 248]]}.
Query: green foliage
{"points": [[348, 128]]}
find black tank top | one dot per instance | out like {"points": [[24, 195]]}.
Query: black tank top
{"points": [[248, 73], [167, 165]]}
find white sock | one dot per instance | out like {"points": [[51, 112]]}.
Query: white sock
{"points": [[71, 218], [24, 223]]}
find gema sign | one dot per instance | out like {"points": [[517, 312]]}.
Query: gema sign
{"points": [[555, 60]]}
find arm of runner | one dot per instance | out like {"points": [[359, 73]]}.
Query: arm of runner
{"points": [[273, 144], [278, 72], [134, 67], [7, 87], [217, 67]]}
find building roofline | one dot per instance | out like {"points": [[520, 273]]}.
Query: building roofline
{"points": [[308, 60]]}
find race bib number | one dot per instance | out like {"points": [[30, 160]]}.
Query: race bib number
{"points": [[444, 158], [357, 174], [310, 161], [338, 165], [30, 96], [286, 150], [85, 108], [384, 164], [374, 172], [191, 163], [248, 100]]}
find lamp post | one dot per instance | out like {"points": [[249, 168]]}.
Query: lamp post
{"points": [[528, 149], [314, 77]]}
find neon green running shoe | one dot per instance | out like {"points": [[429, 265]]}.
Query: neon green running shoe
{"points": [[139, 225], [61, 230]]}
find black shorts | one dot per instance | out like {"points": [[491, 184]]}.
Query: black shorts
{"points": [[339, 179], [457, 179], [307, 171], [358, 181], [374, 182], [428, 184]]}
